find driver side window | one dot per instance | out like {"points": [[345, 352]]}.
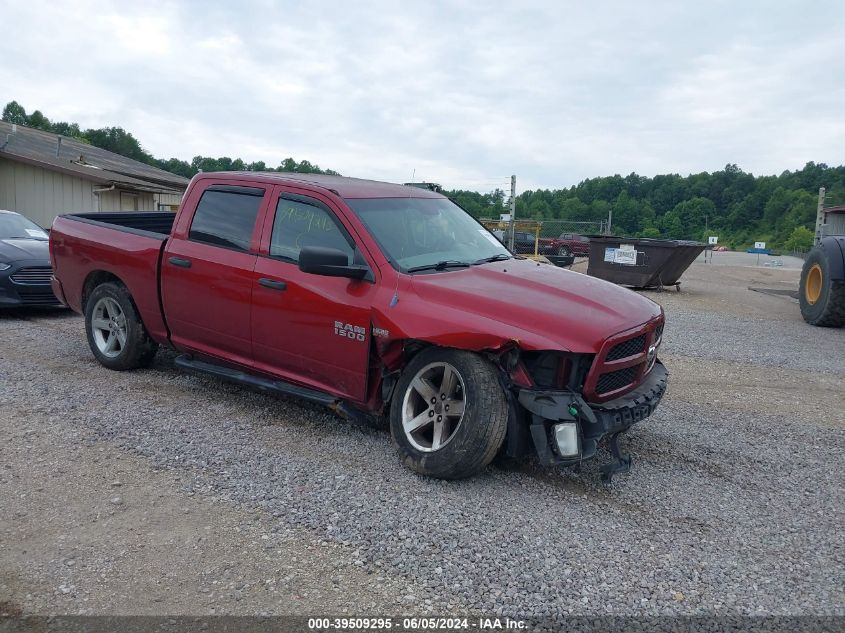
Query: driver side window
{"points": [[301, 222]]}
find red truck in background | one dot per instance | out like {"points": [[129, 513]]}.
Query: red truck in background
{"points": [[566, 244], [377, 300]]}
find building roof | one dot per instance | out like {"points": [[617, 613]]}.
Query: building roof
{"points": [[341, 185], [835, 210], [73, 157]]}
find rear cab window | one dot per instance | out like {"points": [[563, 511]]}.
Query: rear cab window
{"points": [[226, 216]]}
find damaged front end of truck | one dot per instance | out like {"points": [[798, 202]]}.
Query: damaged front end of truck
{"points": [[563, 404]]}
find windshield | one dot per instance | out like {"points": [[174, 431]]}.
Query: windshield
{"points": [[417, 233], [14, 226]]}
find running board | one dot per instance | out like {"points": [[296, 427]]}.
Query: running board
{"points": [[186, 361]]}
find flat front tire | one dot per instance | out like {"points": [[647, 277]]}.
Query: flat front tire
{"points": [[116, 335], [449, 414]]}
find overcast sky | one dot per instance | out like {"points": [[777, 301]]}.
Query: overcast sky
{"points": [[553, 92]]}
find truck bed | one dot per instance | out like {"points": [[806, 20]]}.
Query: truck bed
{"points": [[89, 247], [155, 222]]}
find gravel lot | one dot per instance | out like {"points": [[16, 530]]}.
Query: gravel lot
{"points": [[160, 492]]}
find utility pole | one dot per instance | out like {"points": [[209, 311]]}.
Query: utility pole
{"points": [[609, 220], [819, 217], [513, 211]]}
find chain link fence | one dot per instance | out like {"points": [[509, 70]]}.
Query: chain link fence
{"points": [[536, 238]]}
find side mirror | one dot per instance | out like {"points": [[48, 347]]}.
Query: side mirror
{"points": [[320, 260]]}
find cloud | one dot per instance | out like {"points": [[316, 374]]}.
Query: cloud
{"points": [[460, 93]]}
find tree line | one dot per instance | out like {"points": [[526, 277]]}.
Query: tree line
{"points": [[735, 205], [119, 141]]}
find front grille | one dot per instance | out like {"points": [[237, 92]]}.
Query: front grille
{"points": [[35, 275], [617, 379], [627, 348]]}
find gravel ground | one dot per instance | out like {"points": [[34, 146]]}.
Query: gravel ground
{"points": [[128, 538], [734, 506], [741, 258], [738, 258]]}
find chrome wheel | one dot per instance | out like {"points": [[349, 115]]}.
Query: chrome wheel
{"points": [[108, 325], [433, 407]]}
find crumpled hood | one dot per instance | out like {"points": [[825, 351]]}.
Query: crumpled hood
{"points": [[24, 249], [576, 311]]}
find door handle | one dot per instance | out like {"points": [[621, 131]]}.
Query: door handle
{"points": [[178, 261], [273, 284]]}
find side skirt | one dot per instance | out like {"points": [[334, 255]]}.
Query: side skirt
{"points": [[341, 407]]}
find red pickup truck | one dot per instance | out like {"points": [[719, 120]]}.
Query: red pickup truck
{"points": [[377, 300], [566, 244]]}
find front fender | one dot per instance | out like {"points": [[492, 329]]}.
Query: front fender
{"points": [[834, 248]]}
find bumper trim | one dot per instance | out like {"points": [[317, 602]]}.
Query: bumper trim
{"points": [[594, 421]]}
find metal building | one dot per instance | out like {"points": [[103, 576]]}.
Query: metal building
{"points": [[43, 175]]}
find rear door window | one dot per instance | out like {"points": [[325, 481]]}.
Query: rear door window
{"points": [[226, 217]]}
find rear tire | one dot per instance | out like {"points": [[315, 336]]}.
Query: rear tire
{"points": [[116, 335], [434, 439], [821, 298]]}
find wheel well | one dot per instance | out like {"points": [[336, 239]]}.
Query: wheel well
{"points": [[832, 247], [410, 348], [393, 362], [95, 279]]}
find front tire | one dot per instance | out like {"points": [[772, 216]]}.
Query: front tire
{"points": [[821, 298], [448, 414], [116, 335], [564, 251]]}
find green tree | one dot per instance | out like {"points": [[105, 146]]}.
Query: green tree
{"points": [[647, 217], [39, 121], [693, 215], [119, 141], [626, 213], [14, 113], [671, 225], [574, 209], [801, 239], [67, 129], [539, 209]]}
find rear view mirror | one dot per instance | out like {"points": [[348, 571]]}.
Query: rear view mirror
{"points": [[321, 260]]}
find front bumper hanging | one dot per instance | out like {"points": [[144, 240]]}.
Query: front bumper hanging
{"points": [[550, 408]]}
